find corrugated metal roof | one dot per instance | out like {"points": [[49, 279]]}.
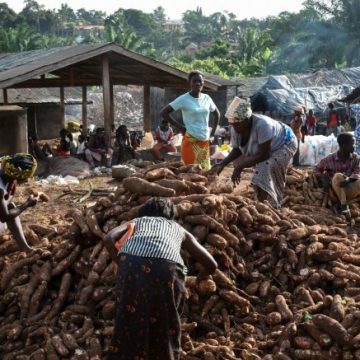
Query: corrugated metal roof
{"points": [[42, 96], [223, 82], [12, 60], [81, 65], [251, 86]]}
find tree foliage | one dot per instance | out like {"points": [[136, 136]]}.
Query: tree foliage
{"points": [[324, 33]]}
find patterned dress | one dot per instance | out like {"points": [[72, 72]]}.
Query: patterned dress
{"points": [[150, 293]]}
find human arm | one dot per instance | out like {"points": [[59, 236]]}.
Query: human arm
{"points": [[216, 118], [165, 113], [321, 173], [111, 237], [200, 254], [7, 214], [251, 160], [233, 155]]}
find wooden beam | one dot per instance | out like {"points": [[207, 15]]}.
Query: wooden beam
{"points": [[62, 106], [38, 83], [146, 109], [72, 76], [84, 110], [5, 96], [112, 104], [106, 97]]}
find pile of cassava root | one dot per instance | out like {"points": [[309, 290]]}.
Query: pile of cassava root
{"points": [[306, 189], [287, 286]]}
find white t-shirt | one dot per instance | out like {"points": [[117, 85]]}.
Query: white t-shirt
{"points": [[81, 148], [195, 113], [263, 129]]}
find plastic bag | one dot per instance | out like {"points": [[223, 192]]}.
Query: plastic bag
{"points": [[147, 142]]}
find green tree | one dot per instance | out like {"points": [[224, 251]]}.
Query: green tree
{"points": [[344, 16], [7, 16], [159, 15], [92, 17], [143, 24], [197, 26], [66, 14], [252, 43]]}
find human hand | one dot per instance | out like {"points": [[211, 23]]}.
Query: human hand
{"points": [[344, 183], [31, 201], [216, 169], [236, 176]]}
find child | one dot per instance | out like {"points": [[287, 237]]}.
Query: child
{"points": [[163, 135]]}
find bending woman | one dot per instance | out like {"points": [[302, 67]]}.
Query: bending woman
{"points": [[150, 289], [267, 144], [196, 108]]}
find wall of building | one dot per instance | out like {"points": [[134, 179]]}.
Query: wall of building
{"points": [[13, 130], [46, 120]]}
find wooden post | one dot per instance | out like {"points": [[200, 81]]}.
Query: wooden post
{"points": [[147, 120], [5, 96], [62, 106], [106, 98], [112, 110], [84, 110]]}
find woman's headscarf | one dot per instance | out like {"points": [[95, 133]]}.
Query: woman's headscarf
{"points": [[19, 166], [239, 110]]}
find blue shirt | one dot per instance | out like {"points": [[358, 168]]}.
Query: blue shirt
{"points": [[195, 113]]}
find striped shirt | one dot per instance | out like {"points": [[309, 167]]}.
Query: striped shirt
{"points": [[332, 164], [156, 237]]}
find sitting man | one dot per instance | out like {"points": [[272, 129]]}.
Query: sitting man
{"points": [[342, 171], [97, 149], [163, 135]]}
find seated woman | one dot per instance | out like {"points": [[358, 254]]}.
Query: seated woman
{"points": [[267, 144], [65, 144], [163, 135], [97, 148], [124, 150]]}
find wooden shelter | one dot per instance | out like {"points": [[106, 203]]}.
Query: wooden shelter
{"points": [[43, 104], [88, 65]]}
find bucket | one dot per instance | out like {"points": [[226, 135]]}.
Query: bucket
{"points": [[172, 156]]}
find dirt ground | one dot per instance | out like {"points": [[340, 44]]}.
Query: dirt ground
{"points": [[65, 198], [62, 199]]}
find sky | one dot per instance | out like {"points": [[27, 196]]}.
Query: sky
{"points": [[174, 8]]}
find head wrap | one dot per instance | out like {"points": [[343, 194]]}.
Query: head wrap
{"points": [[239, 110], [299, 109], [19, 166]]}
